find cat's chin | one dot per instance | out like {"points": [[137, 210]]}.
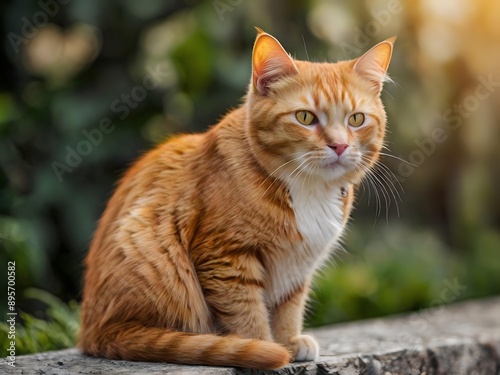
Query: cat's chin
{"points": [[334, 164], [337, 167], [338, 170], [332, 172]]}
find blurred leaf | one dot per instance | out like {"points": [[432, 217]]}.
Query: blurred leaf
{"points": [[193, 59], [34, 334]]}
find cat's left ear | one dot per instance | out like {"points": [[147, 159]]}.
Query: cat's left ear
{"points": [[374, 63], [270, 62]]}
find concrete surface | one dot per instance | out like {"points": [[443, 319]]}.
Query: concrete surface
{"points": [[459, 339]]}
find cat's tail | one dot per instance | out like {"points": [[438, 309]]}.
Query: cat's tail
{"points": [[140, 343]]}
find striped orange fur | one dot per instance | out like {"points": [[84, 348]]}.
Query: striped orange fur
{"points": [[205, 252]]}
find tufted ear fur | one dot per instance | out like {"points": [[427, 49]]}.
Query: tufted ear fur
{"points": [[374, 63], [270, 62]]}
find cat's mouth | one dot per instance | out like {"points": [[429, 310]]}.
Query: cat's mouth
{"points": [[338, 163], [334, 164], [339, 166]]}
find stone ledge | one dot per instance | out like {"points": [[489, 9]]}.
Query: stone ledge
{"points": [[463, 338]]}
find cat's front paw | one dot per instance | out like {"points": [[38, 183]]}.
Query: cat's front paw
{"points": [[304, 348]]}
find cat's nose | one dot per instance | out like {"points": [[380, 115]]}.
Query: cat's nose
{"points": [[338, 148]]}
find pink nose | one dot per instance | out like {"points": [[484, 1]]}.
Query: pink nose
{"points": [[339, 149]]}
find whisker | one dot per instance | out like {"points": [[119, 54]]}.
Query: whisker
{"points": [[305, 48], [398, 158], [382, 174], [388, 93], [374, 181], [391, 177], [366, 170], [378, 205], [385, 194], [291, 174], [281, 166]]}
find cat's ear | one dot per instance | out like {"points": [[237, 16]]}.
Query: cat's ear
{"points": [[374, 63], [270, 62]]}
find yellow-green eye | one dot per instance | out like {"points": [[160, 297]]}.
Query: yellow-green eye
{"points": [[357, 119], [306, 118]]}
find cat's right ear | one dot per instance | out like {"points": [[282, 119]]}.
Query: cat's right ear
{"points": [[270, 62]]}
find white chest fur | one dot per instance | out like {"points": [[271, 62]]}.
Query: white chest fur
{"points": [[319, 217]]}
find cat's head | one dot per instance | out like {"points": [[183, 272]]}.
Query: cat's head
{"points": [[323, 120]]}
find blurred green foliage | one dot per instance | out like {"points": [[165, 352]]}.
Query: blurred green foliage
{"points": [[70, 75], [400, 269], [56, 330]]}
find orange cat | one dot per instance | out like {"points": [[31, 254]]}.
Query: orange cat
{"points": [[205, 253]]}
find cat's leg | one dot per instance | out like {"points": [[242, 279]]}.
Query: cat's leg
{"points": [[287, 323], [233, 289], [154, 265]]}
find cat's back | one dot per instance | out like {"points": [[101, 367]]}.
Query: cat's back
{"points": [[172, 158], [156, 179]]}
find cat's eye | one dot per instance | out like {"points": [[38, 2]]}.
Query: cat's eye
{"points": [[356, 119], [306, 118]]}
